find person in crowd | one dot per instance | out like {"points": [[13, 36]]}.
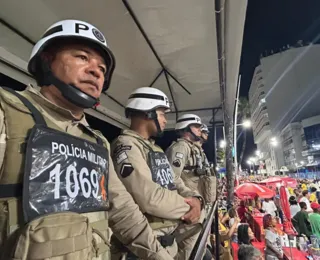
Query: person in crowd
{"points": [[245, 234], [313, 195], [248, 252], [304, 186], [298, 193], [294, 207], [269, 207], [314, 219], [232, 218], [305, 199], [242, 210], [274, 249], [257, 203], [225, 235], [301, 221]]}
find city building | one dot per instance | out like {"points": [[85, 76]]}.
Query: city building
{"points": [[292, 137], [311, 140], [284, 90]]}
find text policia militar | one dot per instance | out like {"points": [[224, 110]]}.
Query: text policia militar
{"points": [[77, 152]]}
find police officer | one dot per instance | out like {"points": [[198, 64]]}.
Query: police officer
{"points": [[188, 159], [203, 139], [146, 173], [62, 167]]}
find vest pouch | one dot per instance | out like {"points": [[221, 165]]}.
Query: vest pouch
{"points": [[208, 188], [58, 236], [192, 181]]}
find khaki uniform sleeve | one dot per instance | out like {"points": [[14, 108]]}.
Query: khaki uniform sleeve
{"points": [[135, 174], [178, 156], [2, 138], [128, 223]]}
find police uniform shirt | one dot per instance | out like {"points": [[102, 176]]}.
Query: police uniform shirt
{"points": [[183, 154], [125, 218], [130, 159]]}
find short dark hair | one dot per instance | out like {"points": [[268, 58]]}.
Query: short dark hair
{"points": [[292, 200], [305, 192], [302, 204], [247, 252], [313, 189]]}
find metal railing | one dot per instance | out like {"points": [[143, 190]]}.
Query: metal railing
{"points": [[201, 244]]}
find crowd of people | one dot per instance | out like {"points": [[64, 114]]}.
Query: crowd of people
{"points": [[304, 207]]}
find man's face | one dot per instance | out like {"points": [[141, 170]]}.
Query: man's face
{"points": [[196, 129], [204, 136], [81, 66], [162, 118]]}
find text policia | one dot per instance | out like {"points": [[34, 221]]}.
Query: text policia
{"points": [[78, 153]]}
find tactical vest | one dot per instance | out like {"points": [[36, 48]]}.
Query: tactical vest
{"points": [[162, 174], [197, 175], [51, 200]]}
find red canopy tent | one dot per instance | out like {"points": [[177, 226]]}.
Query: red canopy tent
{"points": [[278, 181], [250, 190]]}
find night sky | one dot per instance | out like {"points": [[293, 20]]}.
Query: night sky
{"points": [[270, 25]]}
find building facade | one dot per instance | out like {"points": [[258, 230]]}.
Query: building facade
{"points": [[284, 91]]}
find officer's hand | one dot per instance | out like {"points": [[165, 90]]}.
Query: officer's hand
{"points": [[193, 214]]}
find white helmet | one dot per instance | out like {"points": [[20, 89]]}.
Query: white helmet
{"points": [[147, 99], [70, 29], [186, 120], [204, 128]]}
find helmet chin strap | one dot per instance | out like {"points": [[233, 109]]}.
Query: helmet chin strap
{"points": [[196, 138], [153, 115], [68, 91]]}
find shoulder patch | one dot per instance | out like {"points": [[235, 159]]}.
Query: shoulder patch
{"points": [[121, 148], [176, 163], [179, 155], [126, 170], [121, 157]]}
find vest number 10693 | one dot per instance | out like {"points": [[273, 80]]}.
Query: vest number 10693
{"points": [[87, 186]]}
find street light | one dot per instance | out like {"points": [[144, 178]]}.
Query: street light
{"points": [[250, 163], [246, 123], [273, 141], [222, 144], [258, 153], [302, 162]]}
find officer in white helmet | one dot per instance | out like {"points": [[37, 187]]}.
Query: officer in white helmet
{"points": [[172, 209], [62, 167], [203, 139], [187, 157]]}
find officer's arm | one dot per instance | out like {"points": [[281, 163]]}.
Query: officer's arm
{"points": [[135, 174], [128, 223], [178, 156]]}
